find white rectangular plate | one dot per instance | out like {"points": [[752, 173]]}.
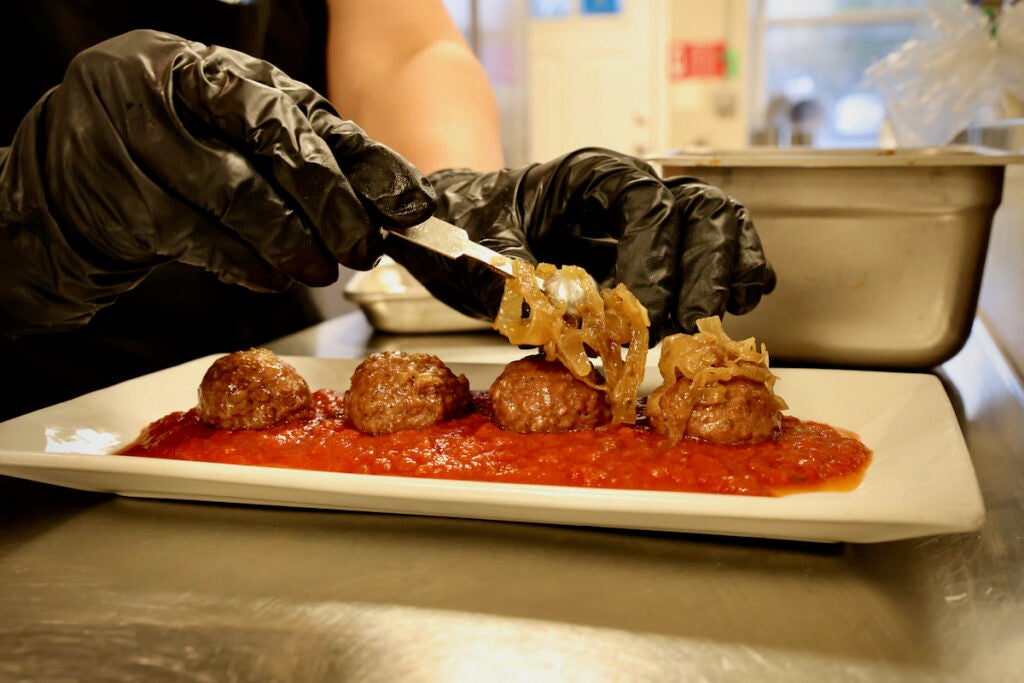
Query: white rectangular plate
{"points": [[920, 482]]}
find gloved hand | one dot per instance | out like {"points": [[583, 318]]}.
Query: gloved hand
{"points": [[155, 149], [683, 247]]}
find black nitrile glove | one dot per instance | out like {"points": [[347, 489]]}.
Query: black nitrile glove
{"points": [[156, 149], [684, 248]]}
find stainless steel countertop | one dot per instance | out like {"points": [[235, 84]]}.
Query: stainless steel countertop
{"points": [[101, 588]]}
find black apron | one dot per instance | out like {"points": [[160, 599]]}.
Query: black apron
{"points": [[179, 312]]}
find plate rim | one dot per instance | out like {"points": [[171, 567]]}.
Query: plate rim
{"points": [[830, 508]]}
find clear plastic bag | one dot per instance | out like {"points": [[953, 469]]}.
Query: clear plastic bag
{"points": [[958, 70]]}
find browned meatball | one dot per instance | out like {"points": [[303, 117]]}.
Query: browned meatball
{"points": [[393, 390], [537, 395], [252, 389], [741, 411]]}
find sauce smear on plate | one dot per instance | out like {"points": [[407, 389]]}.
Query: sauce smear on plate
{"points": [[807, 456]]}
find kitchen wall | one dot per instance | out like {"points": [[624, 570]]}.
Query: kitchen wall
{"points": [[706, 104], [1001, 300], [644, 78], [1001, 303]]}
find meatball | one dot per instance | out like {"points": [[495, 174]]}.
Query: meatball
{"points": [[537, 395], [252, 389], [741, 411], [393, 390]]}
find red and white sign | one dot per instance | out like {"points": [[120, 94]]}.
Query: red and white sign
{"points": [[689, 59]]}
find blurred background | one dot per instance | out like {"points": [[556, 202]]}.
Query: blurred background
{"points": [[664, 78], [657, 75]]}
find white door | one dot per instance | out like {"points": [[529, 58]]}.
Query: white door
{"points": [[593, 80]]}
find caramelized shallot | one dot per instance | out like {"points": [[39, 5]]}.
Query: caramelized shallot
{"points": [[715, 388], [610, 324]]}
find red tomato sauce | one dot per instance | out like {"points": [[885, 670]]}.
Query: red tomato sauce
{"points": [[806, 456]]}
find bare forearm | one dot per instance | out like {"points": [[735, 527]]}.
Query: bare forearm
{"points": [[410, 81]]}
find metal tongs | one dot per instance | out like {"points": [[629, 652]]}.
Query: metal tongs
{"points": [[452, 241]]}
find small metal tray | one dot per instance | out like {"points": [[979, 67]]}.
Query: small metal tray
{"points": [[396, 303], [879, 253]]}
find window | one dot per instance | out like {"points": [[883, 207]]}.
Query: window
{"points": [[810, 58]]}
